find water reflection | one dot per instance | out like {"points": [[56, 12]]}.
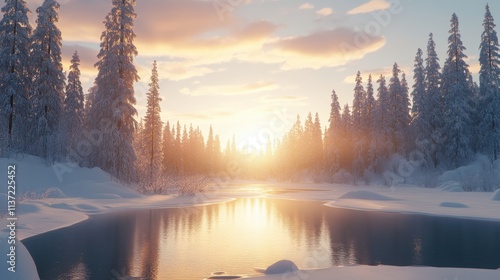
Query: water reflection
{"points": [[191, 243]]}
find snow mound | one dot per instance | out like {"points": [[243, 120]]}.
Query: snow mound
{"points": [[283, 266], [480, 175], [366, 195], [453, 205], [452, 186], [496, 196]]}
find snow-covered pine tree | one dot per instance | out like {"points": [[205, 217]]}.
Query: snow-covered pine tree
{"points": [[15, 78], [49, 82], [380, 144], [177, 150], [308, 142], [167, 148], [489, 92], [369, 105], [346, 145], [419, 122], [358, 106], [457, 100], [398, 116], [369, 119], [432, 140], [333, 136], [73, 113], [152, 134], [358, 125], [113, 108], [317, 140], [210, 151]]}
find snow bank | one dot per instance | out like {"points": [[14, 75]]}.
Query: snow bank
{"points": [[453, 205], [480, 175], [280, 267], [366, 195], [386, 272], [451, 186], [496, 195], [25, 266]]}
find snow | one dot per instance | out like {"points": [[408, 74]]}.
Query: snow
{"points": [[280, 267], [386, 272], [367, 195], [61, 201], [453, 205], [496, 195]]}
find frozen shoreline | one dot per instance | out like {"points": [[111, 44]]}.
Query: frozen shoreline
{"points": [[83, 197]]}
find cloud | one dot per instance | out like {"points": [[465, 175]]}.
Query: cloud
{"points": [[371, 6], [327, 48], [324, 12], [234, 89], [186, 69], [306, 6]]}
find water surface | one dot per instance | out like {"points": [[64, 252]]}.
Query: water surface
{"points": [[234, 237]]}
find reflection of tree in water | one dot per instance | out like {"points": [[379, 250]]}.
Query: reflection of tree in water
{"points": [[404, 240], [151, 242]]}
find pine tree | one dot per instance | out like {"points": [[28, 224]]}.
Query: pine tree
{"points": [[332, 137], [49, 82], [210, 153], [358, 125], [168, 149], [432, 140], [380, 143], [489, 93], [398, 116], [457, 99], [15, 78], [152, 134], [73, 106], [113, 106], [369, 105], [346, 147], [358, 106], [317, 140], [419, 118]]}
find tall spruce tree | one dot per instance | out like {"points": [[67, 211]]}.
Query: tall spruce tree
{"points": [[398, 117], [432, 140], [49, 82], [419, 117], [456, 88], [332, 136], [152, 134], [489, 92], [113, 108], [15, 78], [72, 120], [379, 146]]}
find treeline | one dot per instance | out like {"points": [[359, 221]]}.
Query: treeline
{"points": [[44, 115], [450, 120]]}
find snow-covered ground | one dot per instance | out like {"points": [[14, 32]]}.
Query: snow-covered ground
{"points": [[80, 192]]}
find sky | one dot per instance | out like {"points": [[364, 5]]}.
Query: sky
{"points": [[249, 67]]}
